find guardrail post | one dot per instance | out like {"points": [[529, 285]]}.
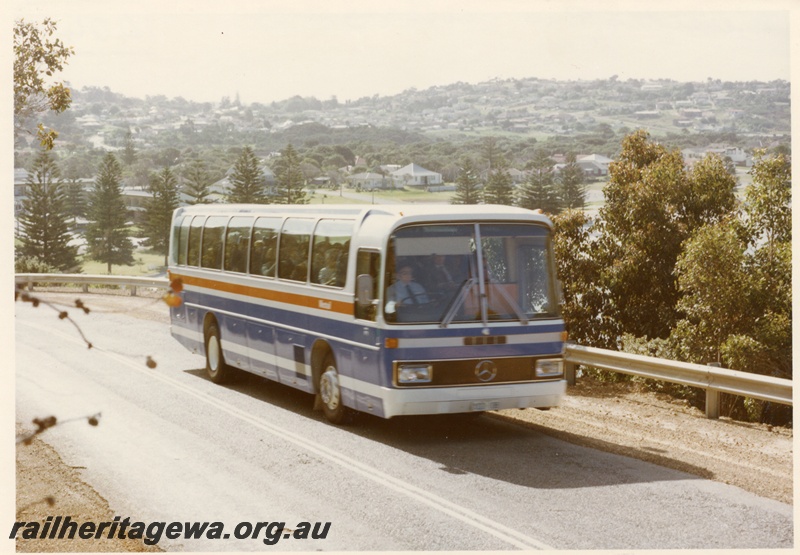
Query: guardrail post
{"points": [[133, 290], [85, 288], [712, 404], [569, 372], [712, 398]]}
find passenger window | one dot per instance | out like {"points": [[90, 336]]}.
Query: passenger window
{"points": [[180, 241], [264, 253], [237, 243], [293, 249], [331, 249], [195, 231], [212, 242]]}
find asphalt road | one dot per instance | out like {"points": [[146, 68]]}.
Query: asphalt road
{"points": [[172, 446]]}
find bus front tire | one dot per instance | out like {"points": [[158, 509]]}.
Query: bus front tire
{"points": [[330, 393], [217, 370]]}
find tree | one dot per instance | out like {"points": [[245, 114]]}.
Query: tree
{"points": [[499, 188], [37, 56], [491, 153], [129, 150], [768, 221], [197, 183], [539, 191], [44, 220], [716, 288], [107, 233], [768, 202], [735, 279], [290, 178], [159, 209], [467, 184], [586, 315], [572, 190], [652, 206], [75, 199], [247, 179]]}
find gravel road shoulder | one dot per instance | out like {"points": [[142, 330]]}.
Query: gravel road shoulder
{"points": [[622, 419]]}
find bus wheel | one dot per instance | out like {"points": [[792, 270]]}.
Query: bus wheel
{"points": [[330, 393], [217, 370]]}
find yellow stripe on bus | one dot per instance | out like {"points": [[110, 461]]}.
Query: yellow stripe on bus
{"points": [[296, 299]]}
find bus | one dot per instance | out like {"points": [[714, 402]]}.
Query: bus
{"points": [[384, 309]]}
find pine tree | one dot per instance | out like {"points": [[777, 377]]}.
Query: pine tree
{"points": [[73, 189], [467, 185], [129, 151], [158, 211], [247, 179], [571, 184], [44, 220], [499, 188], [197, 183], [107, 234], [290, 178], [539, 191]]}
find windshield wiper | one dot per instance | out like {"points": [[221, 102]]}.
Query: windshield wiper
{"points": [[457, 301], [511, 302]]}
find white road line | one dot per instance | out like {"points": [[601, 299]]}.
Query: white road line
{"points": [[469, 517]]}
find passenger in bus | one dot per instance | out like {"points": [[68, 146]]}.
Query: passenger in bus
{"points": [[328, 273], [440, 278], [406, 291], [300, 272], [268, 266]]}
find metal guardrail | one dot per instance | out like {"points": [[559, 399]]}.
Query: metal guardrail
{"points": [[713, 380], [85, 280]]}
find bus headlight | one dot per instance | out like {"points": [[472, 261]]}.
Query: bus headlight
{"points": [[549, 368], [414, 373]]}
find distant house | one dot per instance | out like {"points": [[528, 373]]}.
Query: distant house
{"points": [[136, 201], [369, 181], [413, 175], [737, 155], [593, 165]]}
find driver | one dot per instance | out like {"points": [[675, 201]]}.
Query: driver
{"points": [[406, 291]]}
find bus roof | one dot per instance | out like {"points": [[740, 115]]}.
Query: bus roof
{"points": [[359, 211]]}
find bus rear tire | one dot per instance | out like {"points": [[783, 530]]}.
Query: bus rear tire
{"points": [[216, 368], [330, 393]]}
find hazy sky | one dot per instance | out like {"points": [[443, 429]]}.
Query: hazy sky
{"points": [[271, 50]]}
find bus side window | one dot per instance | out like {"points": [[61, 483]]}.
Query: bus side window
{"points": [[180, 241], [263, 255], [196, 229], [368, 264], [330, 250], [294, 247], [237, 243], [212, 242]]}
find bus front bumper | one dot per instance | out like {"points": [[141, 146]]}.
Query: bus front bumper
{"points": [[449, 400]]}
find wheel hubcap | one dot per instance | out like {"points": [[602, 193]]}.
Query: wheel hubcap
{"points": [[329, 388], [213, 353]]}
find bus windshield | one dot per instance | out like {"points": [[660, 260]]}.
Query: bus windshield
{"points": [[457, 273]]}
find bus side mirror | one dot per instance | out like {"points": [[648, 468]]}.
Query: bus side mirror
{"points": [[364, 288]]}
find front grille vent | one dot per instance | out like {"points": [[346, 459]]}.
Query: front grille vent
{"points": [[485, 340]]}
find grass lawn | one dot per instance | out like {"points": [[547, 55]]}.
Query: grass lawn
{"points": [[146, 264]]}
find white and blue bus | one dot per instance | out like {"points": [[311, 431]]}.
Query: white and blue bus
{"points": [[386, 309]]}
